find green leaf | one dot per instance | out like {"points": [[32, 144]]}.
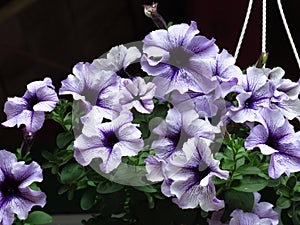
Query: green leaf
{"points": [[70, 173], [63, 139], [250, 184], [239, 200], [38, 217], [88, 199], [106, 187], [283, 202], [147, 189], [247, 170], [291, 183]]}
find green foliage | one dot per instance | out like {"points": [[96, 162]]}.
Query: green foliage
{"points": [[38, 217]]}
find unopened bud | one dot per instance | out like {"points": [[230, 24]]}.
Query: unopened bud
{"points": [[151, 12]]}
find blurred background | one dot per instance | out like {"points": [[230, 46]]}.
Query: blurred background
{"points": [[40, 38]]}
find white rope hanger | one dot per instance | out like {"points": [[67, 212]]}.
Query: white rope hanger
{"points": [[264, 23], [237, 50], [288, 32]]}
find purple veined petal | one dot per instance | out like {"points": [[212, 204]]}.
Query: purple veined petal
{"points": [[155, 70], [129, 148], [256, 78], [154, 167], [87, 148], [240, 217], [165, 187], [14, 106], [7, 216], [132, 55], [180, 33], [34, 120], [158, 38], [72, 85], [224, 68], [7, 164], [216, 218], [276, 74], [290, 144], [26, 201], [258, 135], [91, 121], [145, 106], [27, 174], [264, 210], [282, 163], [35, 85], [129, 132], [244, 115], [203, 47], [164, 147], [290, 109], [276, 123], [111, 159]]}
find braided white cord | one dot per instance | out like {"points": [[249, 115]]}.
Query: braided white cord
{"points": [[264, 24], [288, 32], [243, 30]]}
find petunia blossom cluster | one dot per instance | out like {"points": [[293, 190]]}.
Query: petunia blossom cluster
{"points": [[195, 91]]}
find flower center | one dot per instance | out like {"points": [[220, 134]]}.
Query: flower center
{"points": [[32, 102], [122, 73], [9, 187], [179, 58], [110, 139]]}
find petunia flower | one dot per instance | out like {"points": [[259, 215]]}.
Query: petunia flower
{"points": [[117, 60], [30, 109], [135, 93], [190, 173], [86, 82], [179, 60], [228, 74], [262, 214], [177, 128], [286, 94], [108, 141], [256, 95], [16, 197], [276, 137]]}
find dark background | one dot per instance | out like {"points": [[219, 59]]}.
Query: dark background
{"points": [[41, 38]]}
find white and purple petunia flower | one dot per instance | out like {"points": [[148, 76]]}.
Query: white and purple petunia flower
{"points": [[276, 137], [256, 95], [135, 93], [85, 84], [179, 60], [108, 141], [261, 214], [16, 197], [177, 128], [30, 109], [286, 94], [117, 60], [188, 177], [228, 74]]}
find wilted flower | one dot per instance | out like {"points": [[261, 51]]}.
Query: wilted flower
{"points": [[135, 93], [30, 109], [118, 59], [16, 197], [276, 137], [190, 174], [179, 60], [108, 141]]}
